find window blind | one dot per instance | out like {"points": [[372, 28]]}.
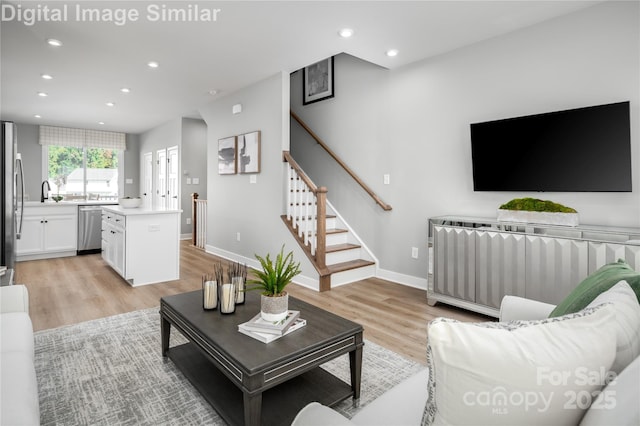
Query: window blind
{"points": [[82, 138]]}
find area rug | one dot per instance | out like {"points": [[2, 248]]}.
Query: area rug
{"points": [[110, 372]]}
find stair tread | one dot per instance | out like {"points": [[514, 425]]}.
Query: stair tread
{"points": [[352, 264], [341, 247], [329, 216], [336, 231]]}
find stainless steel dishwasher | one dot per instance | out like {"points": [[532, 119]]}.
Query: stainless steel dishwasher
{"points": [[89, 229]]}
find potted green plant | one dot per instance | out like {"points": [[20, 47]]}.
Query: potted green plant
{"points": [[271, 281], [533, 210]]}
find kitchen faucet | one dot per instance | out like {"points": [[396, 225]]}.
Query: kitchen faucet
{"points": [[42, 197]]}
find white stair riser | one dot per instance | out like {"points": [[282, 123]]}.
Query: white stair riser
{"points": [[335, 239], [346, 277], [342, 256]]}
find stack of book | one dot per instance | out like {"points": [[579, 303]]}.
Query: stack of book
{"points": [[266, 331]]}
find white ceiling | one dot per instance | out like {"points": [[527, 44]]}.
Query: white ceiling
{"points": [[250, 40]]}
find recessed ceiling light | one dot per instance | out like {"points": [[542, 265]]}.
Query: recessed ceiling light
{"points": [[125, 90], [46, 76], [392, 52], [213, 92], [346, 32], [101, 123], [153, 64], [42, 94], [110, 104], [37, 116], [54, 42]]}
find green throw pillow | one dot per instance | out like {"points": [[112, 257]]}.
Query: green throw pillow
{"points": [[598, 282]]}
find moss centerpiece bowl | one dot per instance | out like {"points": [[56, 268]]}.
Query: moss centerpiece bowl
{"points": [[533, 210]]}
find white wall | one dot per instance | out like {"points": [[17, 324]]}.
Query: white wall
{"points": [[234, 205], [193, 158], [416, 125]]}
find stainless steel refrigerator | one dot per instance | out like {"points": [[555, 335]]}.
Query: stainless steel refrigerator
{"points": [[12, 192]]}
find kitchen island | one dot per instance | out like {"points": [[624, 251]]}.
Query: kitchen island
{"points": [[142, 245]]}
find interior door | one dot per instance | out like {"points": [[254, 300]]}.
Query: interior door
{"points": [[173, 175], [147, 180], [161, 178]]}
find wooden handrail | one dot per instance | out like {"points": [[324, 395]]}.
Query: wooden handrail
{"points": [[289, 159], [346, 168], [317, 250]]}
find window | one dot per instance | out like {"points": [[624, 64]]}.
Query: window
{"points": [[83, 173], [82, 164]]}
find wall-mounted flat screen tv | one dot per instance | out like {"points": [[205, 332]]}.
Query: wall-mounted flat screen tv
{"points": [[577, 150]]}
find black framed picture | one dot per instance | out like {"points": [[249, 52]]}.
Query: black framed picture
{"points": [[249, 152], [317, 81], [227, 156]]}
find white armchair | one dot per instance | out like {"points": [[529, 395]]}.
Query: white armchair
{"points": [[518, 308], [14, 298], [405, 403], [19, 404]]}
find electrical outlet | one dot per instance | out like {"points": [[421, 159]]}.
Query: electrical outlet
{"points": [[414, 252], [237, 236], [188, 221]]}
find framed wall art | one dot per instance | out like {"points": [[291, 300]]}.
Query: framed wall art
{"points": [[227, 156], [317, 81], [249, 152]]}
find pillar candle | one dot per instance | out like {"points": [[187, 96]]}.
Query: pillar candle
{"points": [[227, 298], [210, 296]]}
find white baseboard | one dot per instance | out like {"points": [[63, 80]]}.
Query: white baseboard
{"points": [[314, 284], [403, 279]]}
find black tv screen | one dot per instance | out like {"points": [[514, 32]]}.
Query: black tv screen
{"points": [[577, 150]]}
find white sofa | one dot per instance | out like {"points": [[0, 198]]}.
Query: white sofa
{"points": [[19, 403], [405, 403]]}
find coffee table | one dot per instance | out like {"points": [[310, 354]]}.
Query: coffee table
{"points": [[253, 383]]}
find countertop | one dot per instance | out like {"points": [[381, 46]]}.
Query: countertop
{"points": [[139, 210], [51, 203]]}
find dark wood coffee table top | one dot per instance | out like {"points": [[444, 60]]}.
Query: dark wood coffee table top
{"points": [[255, 367]]}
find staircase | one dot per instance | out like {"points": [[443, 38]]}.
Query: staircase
{"points": [[335, 250], [346, 258]]}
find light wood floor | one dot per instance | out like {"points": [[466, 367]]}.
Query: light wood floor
{"points": [[75, 289]]}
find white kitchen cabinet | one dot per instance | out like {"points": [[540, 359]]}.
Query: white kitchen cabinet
{"points": [[142, 245], [113, 241], [48, 230]]}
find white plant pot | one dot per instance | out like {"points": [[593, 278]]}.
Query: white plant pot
{"points": [[274, 309], [546, 218]]}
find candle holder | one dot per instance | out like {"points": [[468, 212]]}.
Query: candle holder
{"points": [[237, 274], [238, 282], [209, 293], [227, 298]]}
